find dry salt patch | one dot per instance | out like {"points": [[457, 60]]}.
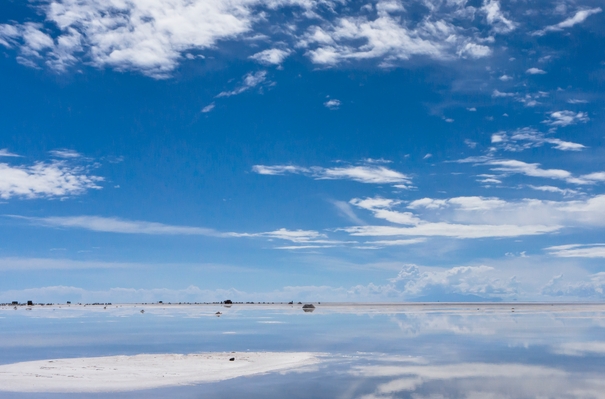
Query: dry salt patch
{"points": [[129, 373]]}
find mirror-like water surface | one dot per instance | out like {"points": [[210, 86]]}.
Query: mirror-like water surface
{"points": [[366, 351]]}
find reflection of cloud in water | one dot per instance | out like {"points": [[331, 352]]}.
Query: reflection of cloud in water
{"points": [[479, 380], [580, 348]]}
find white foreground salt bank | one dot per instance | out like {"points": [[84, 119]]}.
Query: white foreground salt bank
{"points": [[128, 373]]}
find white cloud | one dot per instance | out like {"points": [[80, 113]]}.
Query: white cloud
{"points": [[472, 228], [299, 236], [332, 104], [344, 208], [391, 38], [153, 37], [593, 288], [273, 56], [578, 18], [505, 78], [498, 94], [578, 251], [597, 176], [580, 348], [496, 18], [55, 179], [6, 153], [528, 169], [526, 138], [566, 118], [397, 243], [552, 189], [364, 174], [466, 280], [208, 108], [65, 153], [24, 264], [470, 143], [535, 71], [511, 166], [117, 225], [452, 230], [250, 81], [149, 36], [477, 217]]}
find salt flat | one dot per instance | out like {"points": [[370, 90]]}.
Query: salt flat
{"points": [[145, 371]]}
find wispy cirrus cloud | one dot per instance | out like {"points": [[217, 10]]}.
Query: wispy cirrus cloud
{"points": [[579, 17], [578, 251], [249, 81], [117, 225], [4, 152], [526, 138], [370, 174], [385, 209], [513, 166]]}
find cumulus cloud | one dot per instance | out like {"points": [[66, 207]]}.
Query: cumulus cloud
{"points": [[370, 174], [566, 118], [45, 180], [579, 17], [465, 280], [535, 71], [332, 104], [249, 81], [273, 56], [141, 35], [152, 37], [594, 287], [389, 38]]}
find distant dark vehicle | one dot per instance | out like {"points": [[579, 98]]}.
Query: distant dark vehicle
{"points": [[308, 308], [69, 302], [228, 302], [161, 302], [291, 303], [15, 302], [300, 303], [30, 303]]}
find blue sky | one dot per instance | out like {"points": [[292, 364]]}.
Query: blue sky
{"points": [[302, 149]]}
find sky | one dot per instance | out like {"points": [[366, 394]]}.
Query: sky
{"points": [[273, 150]]}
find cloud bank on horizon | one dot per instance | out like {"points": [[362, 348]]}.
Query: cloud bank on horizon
{"points": [[391, 149]]}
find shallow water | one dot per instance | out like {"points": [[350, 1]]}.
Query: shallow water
{"points": [[372, 351]]}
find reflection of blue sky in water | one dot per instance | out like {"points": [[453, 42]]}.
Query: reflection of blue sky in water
{"points": [[379, 352]]}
